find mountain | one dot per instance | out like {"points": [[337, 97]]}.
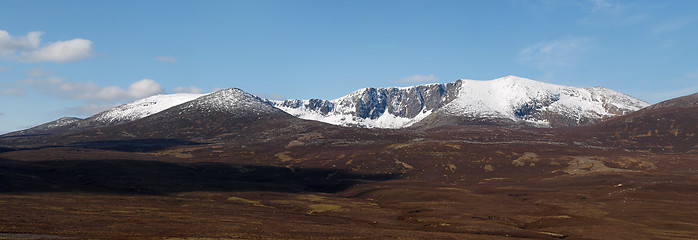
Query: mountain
{"points": [[230, 115], [374, 107], [519, 100], [507, 100], [123, 113], [224, 112], [689, 101], [51, 127], [666, 126], [503, 101], [141, 108]]}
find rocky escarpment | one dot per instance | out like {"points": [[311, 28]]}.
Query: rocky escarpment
{"points": [[375, 107]]}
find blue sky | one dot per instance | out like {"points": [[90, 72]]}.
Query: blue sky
{"points": [[75, 58]]}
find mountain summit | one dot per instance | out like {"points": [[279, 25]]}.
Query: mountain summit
{"points": [[506, 100]]}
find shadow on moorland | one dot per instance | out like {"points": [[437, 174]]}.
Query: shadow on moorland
{"points": [[153, 177], [134, 145], [129, 145]]}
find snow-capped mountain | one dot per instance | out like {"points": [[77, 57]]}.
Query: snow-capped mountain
{"points": [[507, 99], [222, 114], [374, 107], [142, 108], [120, 114], [523, 100], [233, 101]]}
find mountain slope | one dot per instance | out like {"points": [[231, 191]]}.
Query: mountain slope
{"points": [[666, 126], [507, 100], [141, 108], [56, 126], [120, 114], [225, 112], [520, 100]]}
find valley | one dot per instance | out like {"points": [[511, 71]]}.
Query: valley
{"points": [[229, 165]]}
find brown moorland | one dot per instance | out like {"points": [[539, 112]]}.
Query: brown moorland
{"points": [[631, 177]]}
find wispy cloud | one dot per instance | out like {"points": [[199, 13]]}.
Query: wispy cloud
{"points": [[166, 59], [37, 72], [605, 13], [558, 52], [13, 91], [63, 88], [419, 79], [556, 55], [190, 89], [5, 68], [28, 48], [672, 87], [656, 96], [605, 5], [671, 26], [41, 82], [88, 109], [271, 96]]}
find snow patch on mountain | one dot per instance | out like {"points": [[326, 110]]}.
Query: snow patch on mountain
{"points": [[232, 101], [521, 99], [385, 120], [617, 102], [64, 121], [144, 107]]}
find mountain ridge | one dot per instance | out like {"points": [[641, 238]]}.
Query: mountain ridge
{"points": [[506, 100], [509, 100]]}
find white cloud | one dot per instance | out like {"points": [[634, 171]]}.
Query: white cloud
{"points": [[9, 44], [61, 87], [5, 68], [419, 79], [558, 52], [28, 48], [145, 88], [166, 59], [190, 89], [61, 51]]}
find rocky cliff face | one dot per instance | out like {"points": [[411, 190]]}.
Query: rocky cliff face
{"points": [[375, 107]]}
